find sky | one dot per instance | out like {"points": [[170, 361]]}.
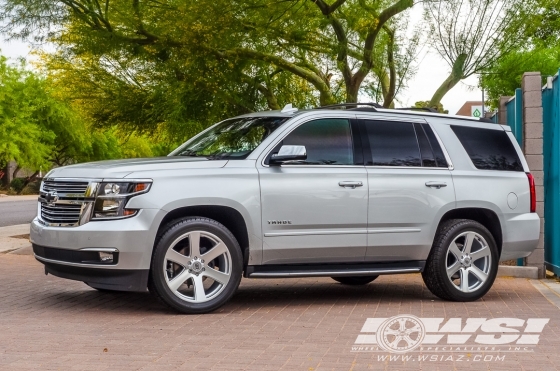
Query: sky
{"points": [[432, 71]]}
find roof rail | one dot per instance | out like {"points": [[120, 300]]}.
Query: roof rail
{"points": [[347, 105], [428, 109]]}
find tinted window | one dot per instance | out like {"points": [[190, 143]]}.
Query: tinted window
{"points": [[393, 144], [232, 139], [489, 149], [426, 151], [328, 142], [438, 152]]}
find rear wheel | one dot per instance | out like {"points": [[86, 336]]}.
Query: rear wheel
{"points": [[463, 263], [196, 265], [355, 281]]}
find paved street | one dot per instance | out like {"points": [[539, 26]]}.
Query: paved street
{"points": [[47, 323], [17, 212]]}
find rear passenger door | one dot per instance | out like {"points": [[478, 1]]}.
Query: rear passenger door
{"points": [[410, 188]]}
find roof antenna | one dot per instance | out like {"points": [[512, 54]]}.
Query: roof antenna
{"points": [[289, 109]]}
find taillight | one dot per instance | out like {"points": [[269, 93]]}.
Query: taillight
{"points": [[533, 192]]}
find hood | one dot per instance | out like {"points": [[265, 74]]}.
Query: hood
{"points": [[122, 168]]}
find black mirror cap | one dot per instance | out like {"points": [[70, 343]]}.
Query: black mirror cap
{"points": [[277, 160]]}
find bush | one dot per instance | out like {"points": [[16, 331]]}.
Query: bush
{"points": [[17, 184], [32, 188]]}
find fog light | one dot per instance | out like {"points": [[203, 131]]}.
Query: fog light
{"points": [[106, 257]]}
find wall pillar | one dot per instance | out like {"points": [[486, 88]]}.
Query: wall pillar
{"points": [[502, 111], [533, 148]]}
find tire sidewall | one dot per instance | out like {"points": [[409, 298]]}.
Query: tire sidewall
{"points": [[468, 226], [178, 229]]}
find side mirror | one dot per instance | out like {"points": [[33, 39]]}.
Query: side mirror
{"points": [[287, 154]]}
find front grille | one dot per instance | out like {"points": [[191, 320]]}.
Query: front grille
{"points": [[63, 201], [65, 187], [61, 213]]}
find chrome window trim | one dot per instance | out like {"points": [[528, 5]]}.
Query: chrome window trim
{"points": [[289, 131]]}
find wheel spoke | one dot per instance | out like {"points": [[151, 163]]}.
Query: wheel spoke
{"points": [[216, 275], [402, 324], [454, 249], [478, 273], [194, 244], [176, 282], [408, 340], [177, 257], [396, 341], [464, 280], [479, 254], [199, 292], [216, 251], [453, 269], [469, 239]]}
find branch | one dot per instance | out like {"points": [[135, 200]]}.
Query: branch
{"points": [[323, 88]]}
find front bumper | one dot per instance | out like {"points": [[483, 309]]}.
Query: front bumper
{"points": [[132, 238], [102, 278]]}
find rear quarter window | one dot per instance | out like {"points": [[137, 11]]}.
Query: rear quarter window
{"points": [[488, 149]]}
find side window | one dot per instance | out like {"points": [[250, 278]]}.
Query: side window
{"points": [[432, 154], [327, 141], [393, 144], [488, 149]]}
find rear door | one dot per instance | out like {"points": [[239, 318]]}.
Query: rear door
{"points": [[410, 188]]}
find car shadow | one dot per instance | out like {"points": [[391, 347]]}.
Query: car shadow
{"points": [[252, 295]]}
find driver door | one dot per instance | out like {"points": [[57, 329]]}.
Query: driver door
{"points": [[315, 211]]}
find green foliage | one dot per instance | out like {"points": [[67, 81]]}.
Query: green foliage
{"points": [[426, 104], [172, 68], [538, 25], [17, 184]]}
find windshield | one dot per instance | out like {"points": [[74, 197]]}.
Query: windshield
{"points": [[231, 139]]}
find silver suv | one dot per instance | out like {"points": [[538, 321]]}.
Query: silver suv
{"points": [[349, 192]]}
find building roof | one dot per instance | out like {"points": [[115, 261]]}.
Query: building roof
{"points": [[465, 110]]}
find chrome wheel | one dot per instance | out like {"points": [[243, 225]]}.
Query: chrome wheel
{"points": [[197, 266], [469, 261]]}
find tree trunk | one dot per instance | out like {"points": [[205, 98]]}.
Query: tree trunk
{"points": [[454, 77], [29, 180], [16, 171]]}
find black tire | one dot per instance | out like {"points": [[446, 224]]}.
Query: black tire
{"points": [[157, 284], [355, 280], [435, 272]]}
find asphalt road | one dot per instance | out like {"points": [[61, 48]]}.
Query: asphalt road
{"points": [[17, 212]]}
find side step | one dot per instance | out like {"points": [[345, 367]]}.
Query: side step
{"points": [[333, 270]]}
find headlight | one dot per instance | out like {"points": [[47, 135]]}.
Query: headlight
{"points": [[113, 196]]}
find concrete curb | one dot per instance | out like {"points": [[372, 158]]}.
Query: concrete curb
{"points": [[519, 272], [549, 289], [8, 243]]}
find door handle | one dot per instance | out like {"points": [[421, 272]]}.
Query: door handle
{"points": [[436, 185], [350, 184]]}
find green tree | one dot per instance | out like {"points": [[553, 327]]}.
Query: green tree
{"points": [[427, 104], [146, 64], [539, 25], [471, 35]]}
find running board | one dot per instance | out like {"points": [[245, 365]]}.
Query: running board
{"points": [[333, 270]]}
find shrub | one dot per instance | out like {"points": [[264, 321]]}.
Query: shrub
{"points": [[17, 184]]}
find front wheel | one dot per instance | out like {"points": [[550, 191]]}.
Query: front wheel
{"points": [[196, 265], [355, 280], [463, 263]]}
